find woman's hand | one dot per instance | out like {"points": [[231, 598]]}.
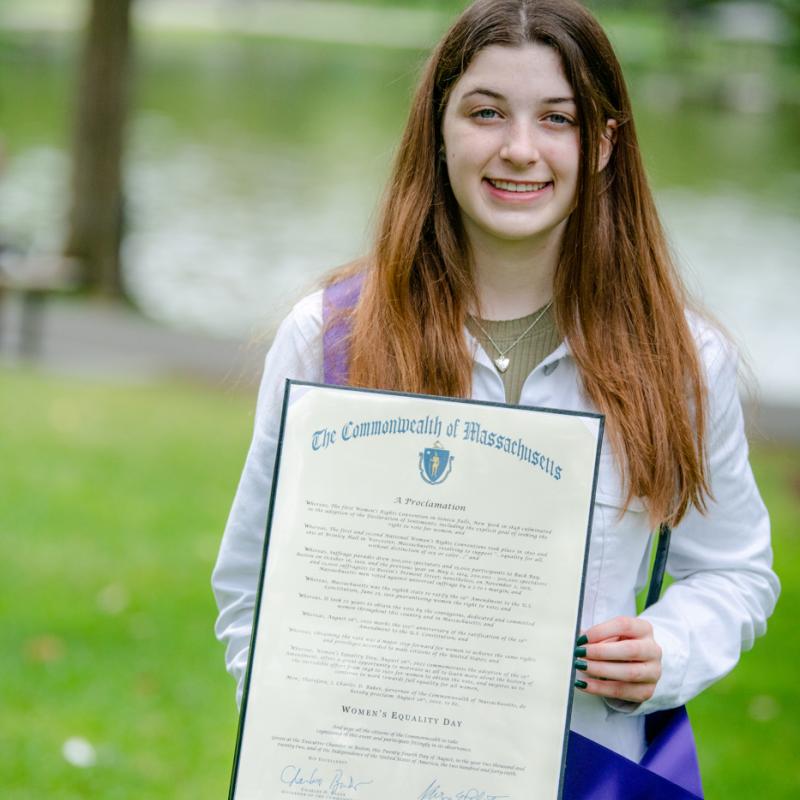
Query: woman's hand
{"points": [[619, 659]]}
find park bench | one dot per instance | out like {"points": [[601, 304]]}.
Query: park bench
{"points": [[33, 279]]}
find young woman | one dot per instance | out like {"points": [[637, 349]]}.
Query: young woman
{"points": [[519, 258]]}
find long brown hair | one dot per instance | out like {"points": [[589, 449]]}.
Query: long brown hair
{"points": [[617, 296]]}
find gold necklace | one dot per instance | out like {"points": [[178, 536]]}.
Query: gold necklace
{"points": [[502, 361]]}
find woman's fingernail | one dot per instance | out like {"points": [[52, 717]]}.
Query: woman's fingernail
{"points": [[581, 684], [582, 639], [581, 665], [580, 652]]}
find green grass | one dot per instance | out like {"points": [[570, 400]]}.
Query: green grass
{"points": [[746, 724], [112, 502]]}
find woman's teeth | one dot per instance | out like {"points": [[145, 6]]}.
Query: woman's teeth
{"points": [[508, 186]]}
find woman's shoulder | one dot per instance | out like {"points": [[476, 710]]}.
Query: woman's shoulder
{"points": [[340, 292], [714, 345], [305, 318], [296, 348]]}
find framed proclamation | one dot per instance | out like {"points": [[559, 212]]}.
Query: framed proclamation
{"points": [[419, 599]]}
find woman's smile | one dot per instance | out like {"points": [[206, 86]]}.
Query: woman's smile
{"points": [[516, 191]]}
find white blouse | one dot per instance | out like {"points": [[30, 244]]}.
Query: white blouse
{"points": [[721, 561]]}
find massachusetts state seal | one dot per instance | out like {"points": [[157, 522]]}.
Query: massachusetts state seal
{"points": [[435, 464]]}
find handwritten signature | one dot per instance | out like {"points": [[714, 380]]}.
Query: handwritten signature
{"points": [[334, 786], [434, 791]]}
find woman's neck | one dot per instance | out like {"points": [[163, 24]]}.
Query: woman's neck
{"points": [[514, 280]]}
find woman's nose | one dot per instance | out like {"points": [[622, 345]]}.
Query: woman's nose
{"points": [[520, 146]]}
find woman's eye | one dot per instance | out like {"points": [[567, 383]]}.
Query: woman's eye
{"points": [[559, 119], [484, 113]]}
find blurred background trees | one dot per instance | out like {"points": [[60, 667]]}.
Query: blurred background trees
{"points": [[211, 76], [249, 158]]}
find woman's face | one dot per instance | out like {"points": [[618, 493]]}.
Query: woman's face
{"points": [[512, 146]]}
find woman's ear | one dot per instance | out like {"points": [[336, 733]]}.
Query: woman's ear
{"points": [[607, 144]]}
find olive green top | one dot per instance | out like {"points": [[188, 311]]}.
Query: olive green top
{"points": [[524, 357]]}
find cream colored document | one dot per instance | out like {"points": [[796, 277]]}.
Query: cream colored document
{"points": [[420, 599]]}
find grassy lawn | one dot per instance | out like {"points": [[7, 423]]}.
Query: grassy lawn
{"points": [[112, 501], [746, 725]]}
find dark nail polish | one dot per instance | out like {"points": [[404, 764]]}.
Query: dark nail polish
{"points": [[583, 639], [581, 684], [580, 652], [581, 665]]}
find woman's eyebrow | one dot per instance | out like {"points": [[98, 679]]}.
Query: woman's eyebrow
{"points": [[488, 92], [550, 101]]}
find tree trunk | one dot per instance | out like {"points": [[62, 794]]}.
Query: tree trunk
{"points": [[96, 214]]}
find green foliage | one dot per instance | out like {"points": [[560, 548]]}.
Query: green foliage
{"points": [[35, 91], [112, 504]]}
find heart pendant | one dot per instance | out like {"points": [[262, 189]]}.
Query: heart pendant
{"points": [[501, 362]]}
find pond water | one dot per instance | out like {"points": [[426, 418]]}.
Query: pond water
{"points": [[255, 166]]}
